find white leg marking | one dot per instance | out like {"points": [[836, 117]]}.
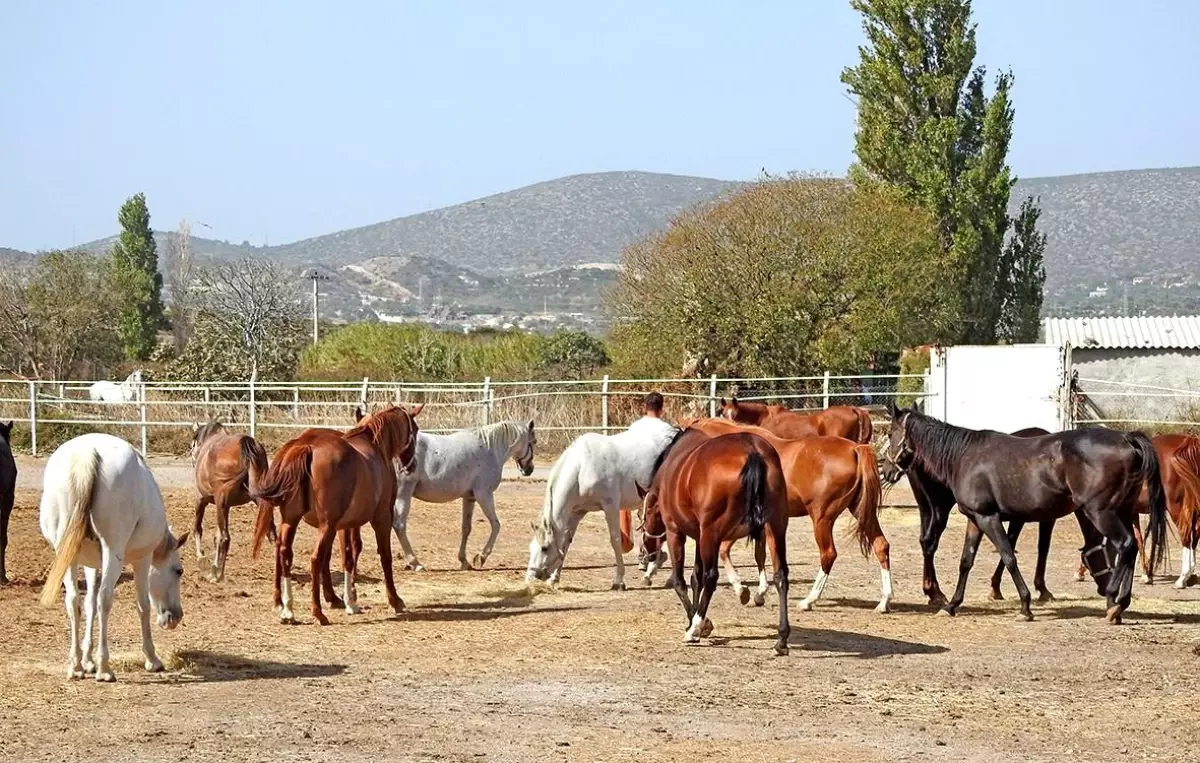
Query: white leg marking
{"points": [[691, 635], [109, 576], [760, 594], [285, 594], [818, 588], [1186, 561], [141, 578], [351, 593], [885, 588], [89, 617]]}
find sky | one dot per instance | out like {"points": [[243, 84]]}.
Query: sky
{"points": [[277, 120]]}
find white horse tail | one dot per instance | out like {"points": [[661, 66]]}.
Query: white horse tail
{"points": [[81, 479]]}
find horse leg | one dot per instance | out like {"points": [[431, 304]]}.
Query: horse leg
{"points": [[198, 524], [612, 516], [287, 534], [759, 595], [110, 573], [468, 515], [934, 521], [707, 572], [92, 575], [572, 523], [1187, 557], [991, 526], [141, 579], [400, 525], [319, 565], [970, 546], [6, 507], [823, 532], [1014, 532], [777, 538], [71, 599], [487, 502], [218, 567], [676, 543], [1117, 532], [383, 541], [350, 565], [326, 582], [1147, 578], [1045, 535], [731, 574], [883, 555]]}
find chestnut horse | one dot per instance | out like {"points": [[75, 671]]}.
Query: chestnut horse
{"points": [[825, 476], [836, 421], [227, 467], [713, 490], [343, 480], [1179, 460]]}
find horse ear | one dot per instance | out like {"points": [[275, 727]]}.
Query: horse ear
{"points": [[416, 409], [182, 539], [531, 425], [891, 408], [358, 414]]}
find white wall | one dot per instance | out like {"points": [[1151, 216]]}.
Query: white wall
{"points": [[1004, 387]]}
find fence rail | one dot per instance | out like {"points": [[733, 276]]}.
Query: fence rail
{"points": [[157, 416]]}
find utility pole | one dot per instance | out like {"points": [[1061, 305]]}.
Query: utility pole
{"points": [[315, 277]]}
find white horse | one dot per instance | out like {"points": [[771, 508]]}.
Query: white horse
{"points": [[596, 472], [466, 465], [111, 392], [101, 509]]}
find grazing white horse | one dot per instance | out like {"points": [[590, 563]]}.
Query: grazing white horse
{"points": [[466, 465], [111, 392], [101, 509], [596, 472]]}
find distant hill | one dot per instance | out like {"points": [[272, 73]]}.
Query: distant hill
{"points": [[1111, 233]]}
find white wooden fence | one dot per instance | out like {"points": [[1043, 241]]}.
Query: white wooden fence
{"points": [[603, 405]]}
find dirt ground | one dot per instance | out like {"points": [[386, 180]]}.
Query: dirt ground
{"points": [[479, 669]]}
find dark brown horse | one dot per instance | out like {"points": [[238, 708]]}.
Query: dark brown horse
{"points": [[227, 467], [825, 476], [1179, 464], [8, 491], [714, 490], [836, 421], [345, 480], [1095, 473]]}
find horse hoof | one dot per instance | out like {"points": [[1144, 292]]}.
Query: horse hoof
{"points": [[759, 599], [337, 603], [995, 595], [1147, 580], [781, 650], [154, 666], [89, 667], [617, 587], [1080, 577], [805, 605], [478, 561], [354, 609], [882, 608], [4, 580], [1027, 617], [106, 677], [706, 629], [75, 674], [1045, 597], [287, 617], [320, 618], [463, 564], [937, 600], [646, 581], [1113, 616], [744, 596]]}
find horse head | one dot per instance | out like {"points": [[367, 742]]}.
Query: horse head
{"points": [[522, 449], [545, 550], [201, 432], [393, 431], [166, 570], [899, 455]]}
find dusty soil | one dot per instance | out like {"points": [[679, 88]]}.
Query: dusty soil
{"points": [[478, 669]]}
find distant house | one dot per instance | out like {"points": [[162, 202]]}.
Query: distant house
{"points": [[1110, 354]]}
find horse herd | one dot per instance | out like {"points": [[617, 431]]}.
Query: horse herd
{"points": [[743, 474]]}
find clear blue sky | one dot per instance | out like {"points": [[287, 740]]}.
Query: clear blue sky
{"points": [[290, 119]]}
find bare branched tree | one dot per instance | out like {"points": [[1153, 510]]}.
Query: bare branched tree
{"points": [[253, 303], [179, 269]]}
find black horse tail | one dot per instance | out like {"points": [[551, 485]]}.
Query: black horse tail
{"points": [[1158, 501], [754, 491]]}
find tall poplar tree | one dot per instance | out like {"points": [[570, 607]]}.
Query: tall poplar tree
{"points": [[135, 269]]}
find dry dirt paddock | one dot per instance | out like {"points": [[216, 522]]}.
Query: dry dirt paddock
{"points": [[478, 669]]}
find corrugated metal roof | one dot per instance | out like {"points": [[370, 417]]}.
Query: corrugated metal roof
{"points": [[1174, 332]]}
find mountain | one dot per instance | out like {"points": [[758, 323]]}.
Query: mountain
{"points": [[1111, 234]]}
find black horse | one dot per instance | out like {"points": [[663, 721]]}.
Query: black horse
{"points": [[8, 489], [1096, 473]]}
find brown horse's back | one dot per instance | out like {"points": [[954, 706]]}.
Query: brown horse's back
{"points": [[229, 463], [846, 421]]}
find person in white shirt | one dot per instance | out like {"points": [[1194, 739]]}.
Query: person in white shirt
{"points": [[651, 421]]}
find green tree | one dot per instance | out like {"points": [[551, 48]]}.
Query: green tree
{"points": [[135, 269], [573, 354], [788, 277], [58, 319], [927, 126]]}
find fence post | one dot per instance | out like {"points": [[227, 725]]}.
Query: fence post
{"points": [[295, 402], [826, 389], [362, 395], [253, 405], [142, 407], [604, 404], [487, 400], [33, 418], [712, 397], [207, 397]]}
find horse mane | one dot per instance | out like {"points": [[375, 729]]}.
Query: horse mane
{"points": [[937, 446], [383, 429], [658, 462], [511, 427], [209, 429]]}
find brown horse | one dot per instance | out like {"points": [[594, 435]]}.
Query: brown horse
{"points": [[345, 480], [714, 490], [836, 421], [1179, 468], [825, 476], [227, 467]]}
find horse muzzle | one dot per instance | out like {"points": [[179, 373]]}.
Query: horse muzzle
{"points": [[170, 620]]}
